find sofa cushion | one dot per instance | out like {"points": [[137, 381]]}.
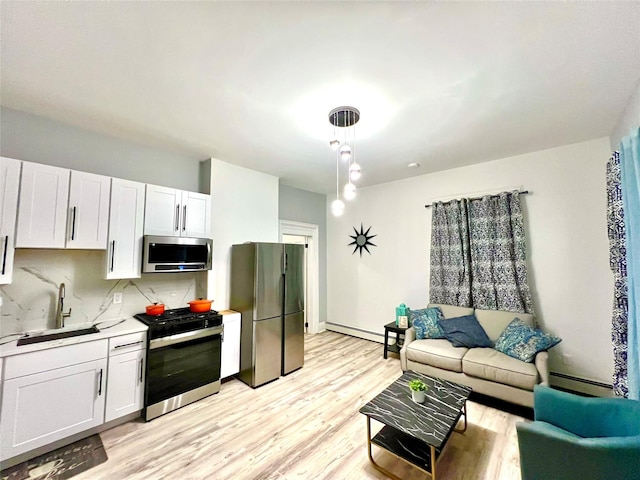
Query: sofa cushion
{"points": [[452, 311], [465, 332], [495, 321], [489, 364], [437, 353], [425, 322], [523, 342]]}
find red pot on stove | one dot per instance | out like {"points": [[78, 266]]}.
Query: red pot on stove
{"points": [[200, 305], [155, 309]]}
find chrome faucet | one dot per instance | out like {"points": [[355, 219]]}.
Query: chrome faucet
{"points": [[60, 315]]}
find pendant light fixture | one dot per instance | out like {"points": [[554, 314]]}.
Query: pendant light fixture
{"points": [[344, 120]]}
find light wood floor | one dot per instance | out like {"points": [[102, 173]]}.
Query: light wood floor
{"points": [[303, 426]]}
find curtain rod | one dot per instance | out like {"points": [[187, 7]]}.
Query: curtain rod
{"points": [[524, 192]]}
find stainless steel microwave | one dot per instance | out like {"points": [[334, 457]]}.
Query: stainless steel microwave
{"points": [[175, 254]]}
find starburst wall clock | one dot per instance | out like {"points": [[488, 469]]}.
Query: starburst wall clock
{"points": [[362, 240]]}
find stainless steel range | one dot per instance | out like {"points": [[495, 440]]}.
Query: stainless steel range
{"points": [[183, 358]]}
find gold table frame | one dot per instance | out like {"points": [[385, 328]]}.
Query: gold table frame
{"points": [[434, 460]]}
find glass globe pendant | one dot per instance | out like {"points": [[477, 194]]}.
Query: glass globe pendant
{"points": [[345, 152], [354, 171], [349, 191], [337, 207], [334, 144]]}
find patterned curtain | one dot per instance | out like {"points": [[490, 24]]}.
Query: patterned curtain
{"points": [[478, 254], [498, 254], [450, 258], [618, 263]]}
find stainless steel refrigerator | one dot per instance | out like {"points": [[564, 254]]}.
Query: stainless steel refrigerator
{"points": [[267, 288]]}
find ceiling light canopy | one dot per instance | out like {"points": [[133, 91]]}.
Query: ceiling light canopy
{"points": [[308, 112]]}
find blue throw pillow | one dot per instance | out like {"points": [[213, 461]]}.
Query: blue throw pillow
{"points": [[425, 322], [521, 341], [465, 332]]}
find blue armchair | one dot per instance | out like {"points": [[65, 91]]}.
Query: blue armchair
{"points": [[579, 438]]}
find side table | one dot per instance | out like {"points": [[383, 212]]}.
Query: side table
{"points": [[392, 327]]}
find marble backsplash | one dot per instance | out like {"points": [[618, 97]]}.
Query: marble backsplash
{"points": [[30, 301]]}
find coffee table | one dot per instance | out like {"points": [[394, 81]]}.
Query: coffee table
{"points": [[415, 432]]}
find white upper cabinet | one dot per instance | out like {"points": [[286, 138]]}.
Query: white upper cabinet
{"points": [[196, 215], [126, 220], [176, 213], [42, 218], [88, 211], [162, 211], [61, 208], [9, 187]]}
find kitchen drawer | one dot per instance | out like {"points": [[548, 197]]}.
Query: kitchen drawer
{"points": [[127, 343], [52, 358]]}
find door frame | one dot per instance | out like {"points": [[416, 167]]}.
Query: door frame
{"points": [[289, 227]]}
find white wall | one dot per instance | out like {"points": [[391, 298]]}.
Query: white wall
{"points": [[629, 119], [41, 140], [244, 208], [567, 248]]}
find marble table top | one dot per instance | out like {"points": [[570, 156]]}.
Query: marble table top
{"points": [[432, 421]]}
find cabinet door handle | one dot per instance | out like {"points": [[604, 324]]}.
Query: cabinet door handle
{"points": [[4, 255], [73, 224], [177, 217], [113, 254], [141, 364], [184, 218], [100, 384], [127, 345]]}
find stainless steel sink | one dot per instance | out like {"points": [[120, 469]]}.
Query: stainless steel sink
{"points": [[46, 337]]}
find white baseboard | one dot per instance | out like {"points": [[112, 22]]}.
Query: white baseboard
{"points": [[355, 332], [581, 385]]}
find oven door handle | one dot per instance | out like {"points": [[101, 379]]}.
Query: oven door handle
{"points": [[184, 337]]}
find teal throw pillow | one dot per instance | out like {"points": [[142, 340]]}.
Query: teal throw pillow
{"points": [[425, 322], [465, 331], [521, 341]]}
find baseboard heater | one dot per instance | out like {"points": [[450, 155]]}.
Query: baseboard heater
{"points": [[580, 385], [356, 332]]}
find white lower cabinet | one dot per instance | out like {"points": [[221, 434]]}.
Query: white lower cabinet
{"points": [[230, 362], [51, 394], [125, 385]]}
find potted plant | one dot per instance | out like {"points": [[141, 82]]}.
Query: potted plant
{"points": [[418, 389]]}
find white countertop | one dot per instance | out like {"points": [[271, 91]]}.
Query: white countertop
{"points": [[108, 329]]}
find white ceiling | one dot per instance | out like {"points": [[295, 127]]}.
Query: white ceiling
{"points": [[445, 84]]}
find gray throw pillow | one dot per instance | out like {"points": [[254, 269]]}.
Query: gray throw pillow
{"points": [[465, 331]]}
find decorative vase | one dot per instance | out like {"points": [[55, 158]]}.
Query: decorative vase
{"points": [[418, 396]]}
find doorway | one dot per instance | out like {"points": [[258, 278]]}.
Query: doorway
{"points": [[306, 234]]}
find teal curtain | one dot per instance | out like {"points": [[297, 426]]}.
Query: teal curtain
{"points": [[630, 180]]}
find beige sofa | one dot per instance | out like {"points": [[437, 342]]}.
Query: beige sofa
{"points": [[485, 370]]}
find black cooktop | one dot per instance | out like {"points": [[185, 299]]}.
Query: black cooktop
{"points": [[178, 320]]}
